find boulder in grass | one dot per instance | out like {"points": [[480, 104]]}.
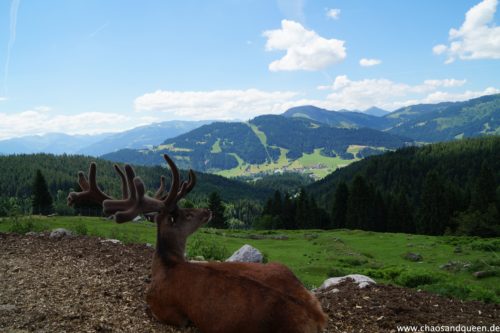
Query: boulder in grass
{"points": [[361, 280], [246, 253], [413, 256], [60, 233]]}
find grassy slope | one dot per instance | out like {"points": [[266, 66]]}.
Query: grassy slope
{"points": [[311, 254], [316, 164]]}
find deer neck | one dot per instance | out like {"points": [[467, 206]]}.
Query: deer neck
{"points": [[170, 247]]}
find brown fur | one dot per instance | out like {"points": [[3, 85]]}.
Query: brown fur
{"points": [[226, 297]]}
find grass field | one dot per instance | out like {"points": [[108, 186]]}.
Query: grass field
{"points": [[314, 255], [316, 164]]}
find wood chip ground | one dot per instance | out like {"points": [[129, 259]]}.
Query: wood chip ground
{"points": [[80, 284]]}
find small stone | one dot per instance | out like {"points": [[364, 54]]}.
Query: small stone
{"points": [[60, 233], [413, 256], [112, 241]]}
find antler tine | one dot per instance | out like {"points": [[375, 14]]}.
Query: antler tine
{"points": [[110, 207], [144, 204], [124, 181], [171, 199], [161, 190], [186, 187], [90, 189], [136, 203]]}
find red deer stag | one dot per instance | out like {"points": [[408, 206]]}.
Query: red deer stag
{"points": [[216, 297]]}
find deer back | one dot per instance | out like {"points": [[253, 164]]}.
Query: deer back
{"points": [[228, 297]]}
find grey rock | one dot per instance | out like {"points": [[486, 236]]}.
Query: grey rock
{"points": [[112, 241], [413, 256], [361, 280], [59, 233], [246, 253]]}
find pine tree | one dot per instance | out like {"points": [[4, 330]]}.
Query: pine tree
{"points": [[484, 191], [302, 212], [339, 208], [434, 212], [41, 202], [359, 207], [277, 204], [215, 205], [400, 218], [379, 213], [288, 217]]}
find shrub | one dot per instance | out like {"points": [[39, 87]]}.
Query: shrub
{"points": [[353, 261], [81, 229], [417, 278], [336, 272], [483, 265], [463, 291], [388, 274], [21, 226], [265, 257], [487, 246], [367, 254], [210, 250]]}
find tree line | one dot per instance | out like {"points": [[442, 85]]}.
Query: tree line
{"points": [[445, 188]]}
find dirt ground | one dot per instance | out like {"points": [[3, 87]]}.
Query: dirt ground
{"points": [[81, 284]]}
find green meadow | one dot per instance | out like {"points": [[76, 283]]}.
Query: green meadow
{"points": [[446, 267]]}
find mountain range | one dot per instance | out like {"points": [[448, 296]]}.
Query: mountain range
{"points": [[318, 141], [96, 145], [303, 139], [266, 144]]}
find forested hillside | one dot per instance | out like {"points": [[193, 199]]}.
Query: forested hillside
{"points": [[17, 174], [422, 122], [340, 119], [438, 188], [266, 144], [448, 121]]}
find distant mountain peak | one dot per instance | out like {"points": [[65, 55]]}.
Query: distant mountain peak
{"points": [[375, 111]]}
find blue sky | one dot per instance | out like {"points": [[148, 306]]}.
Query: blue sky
{"points": [[90, 66]]}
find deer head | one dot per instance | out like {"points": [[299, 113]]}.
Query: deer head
{"points": [[175, 224]]}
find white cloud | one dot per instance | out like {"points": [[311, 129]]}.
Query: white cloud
{"points": [[333, 13], [442, 96], [217, 104], [389, 95], [445, 83], [40, 120], [477, 38], [369, 62], [305, 49], [439, 49]]}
